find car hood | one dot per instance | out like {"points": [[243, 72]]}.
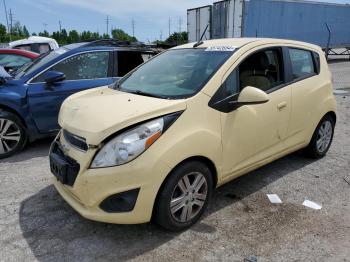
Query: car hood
{"points": [[98, 113]]}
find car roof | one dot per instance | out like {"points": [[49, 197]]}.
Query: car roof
{"points": [[110, 44], [239, 42], [20, 52]]}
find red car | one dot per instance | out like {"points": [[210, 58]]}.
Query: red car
{"points": [[12, 59]]}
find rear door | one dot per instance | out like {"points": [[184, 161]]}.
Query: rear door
{"points": [[83, 71], [307, 92]]}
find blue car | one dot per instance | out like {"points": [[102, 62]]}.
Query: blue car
{"points": [[30, 100]]}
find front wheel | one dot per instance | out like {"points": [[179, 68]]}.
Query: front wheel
{"points": [[12, 134], [184, 196], [322, 138]]}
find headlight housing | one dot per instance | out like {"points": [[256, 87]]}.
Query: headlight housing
{"points": [[129, 144]]}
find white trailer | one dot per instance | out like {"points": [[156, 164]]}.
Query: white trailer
{"points": [[198, 19], [227, 19]]}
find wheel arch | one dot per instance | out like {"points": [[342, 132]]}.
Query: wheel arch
{"points": [[332, 114], [209, 163], [13, 111]]}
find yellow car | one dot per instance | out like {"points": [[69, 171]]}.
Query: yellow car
{"points": [[155, 145]]}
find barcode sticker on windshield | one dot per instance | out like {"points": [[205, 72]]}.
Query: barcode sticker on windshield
{"points": [[221, 48]]}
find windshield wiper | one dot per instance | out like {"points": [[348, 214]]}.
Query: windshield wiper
{"points": [[142, 93]]}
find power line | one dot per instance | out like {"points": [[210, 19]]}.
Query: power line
{"points": [[180, 24]]}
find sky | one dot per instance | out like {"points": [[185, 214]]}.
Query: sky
{"points": [[151, 17]]}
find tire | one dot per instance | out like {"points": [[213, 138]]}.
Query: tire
{"points": [[174, 189], [318, 148], [13, 136]]}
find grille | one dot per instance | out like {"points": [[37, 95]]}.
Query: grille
{"points": [[76, 141]]}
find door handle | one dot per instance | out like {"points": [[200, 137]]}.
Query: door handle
{"points": [[281, 106]]}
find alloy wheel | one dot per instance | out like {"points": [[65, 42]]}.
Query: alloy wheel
{"points": [[324, 136], [188, 197], [10, 135]]}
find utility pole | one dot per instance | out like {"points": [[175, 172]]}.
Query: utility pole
{"points": [[133, 27], [161, 35], [169, 25], [107, 24], [60, 25], [7, 21], [11, 22], [45, 25]]}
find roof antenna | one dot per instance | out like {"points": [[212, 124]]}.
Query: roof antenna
{"points": [[200, 40]]}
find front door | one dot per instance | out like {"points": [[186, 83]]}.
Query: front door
{"points": [[82, 71], [253, 133]]}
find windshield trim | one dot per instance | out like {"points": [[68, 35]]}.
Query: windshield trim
{"points": [[117, 85]]}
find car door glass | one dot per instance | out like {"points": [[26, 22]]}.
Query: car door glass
{"points": [[302, 63], [128, 60], [90, 65], [44, 48], [8, 60], [263, 70]]}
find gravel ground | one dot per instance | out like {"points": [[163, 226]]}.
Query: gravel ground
{"points": [[37, 225]]}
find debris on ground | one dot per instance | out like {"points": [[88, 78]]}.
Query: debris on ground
{"points": [[274, 198], [312, 205]]}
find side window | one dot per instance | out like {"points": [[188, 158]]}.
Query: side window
{"points": [[7, 60], [302, 63], [128, 60], [263, 70], [44, 48], [90, 65], [317, 62]]}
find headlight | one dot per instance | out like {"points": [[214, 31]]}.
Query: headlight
{"points": [[129, 145]]}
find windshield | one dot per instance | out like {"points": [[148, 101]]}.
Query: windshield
{"points": [[37, 63], [178, 73]]}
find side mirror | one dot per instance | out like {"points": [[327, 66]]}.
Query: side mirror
{"points": [[248, 96], [52, 77], [251, 95]]}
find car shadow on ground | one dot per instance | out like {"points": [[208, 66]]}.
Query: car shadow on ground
{"points": [[55, 232], [335, 60], [39, 148]]}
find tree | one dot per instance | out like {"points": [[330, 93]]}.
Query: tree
{"points": [[25, 31], [105, 36], [177, 38], [17, 29], [73, 37], [45, 34], [3, 33], [122, 36], [86, 36]]}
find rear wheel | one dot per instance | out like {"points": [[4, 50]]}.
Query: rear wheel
{"points": [[12, 134], [322, 138], [184, 197]]}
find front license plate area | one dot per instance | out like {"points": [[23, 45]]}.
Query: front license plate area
{"points": [[58, 167], [64, 168]]}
